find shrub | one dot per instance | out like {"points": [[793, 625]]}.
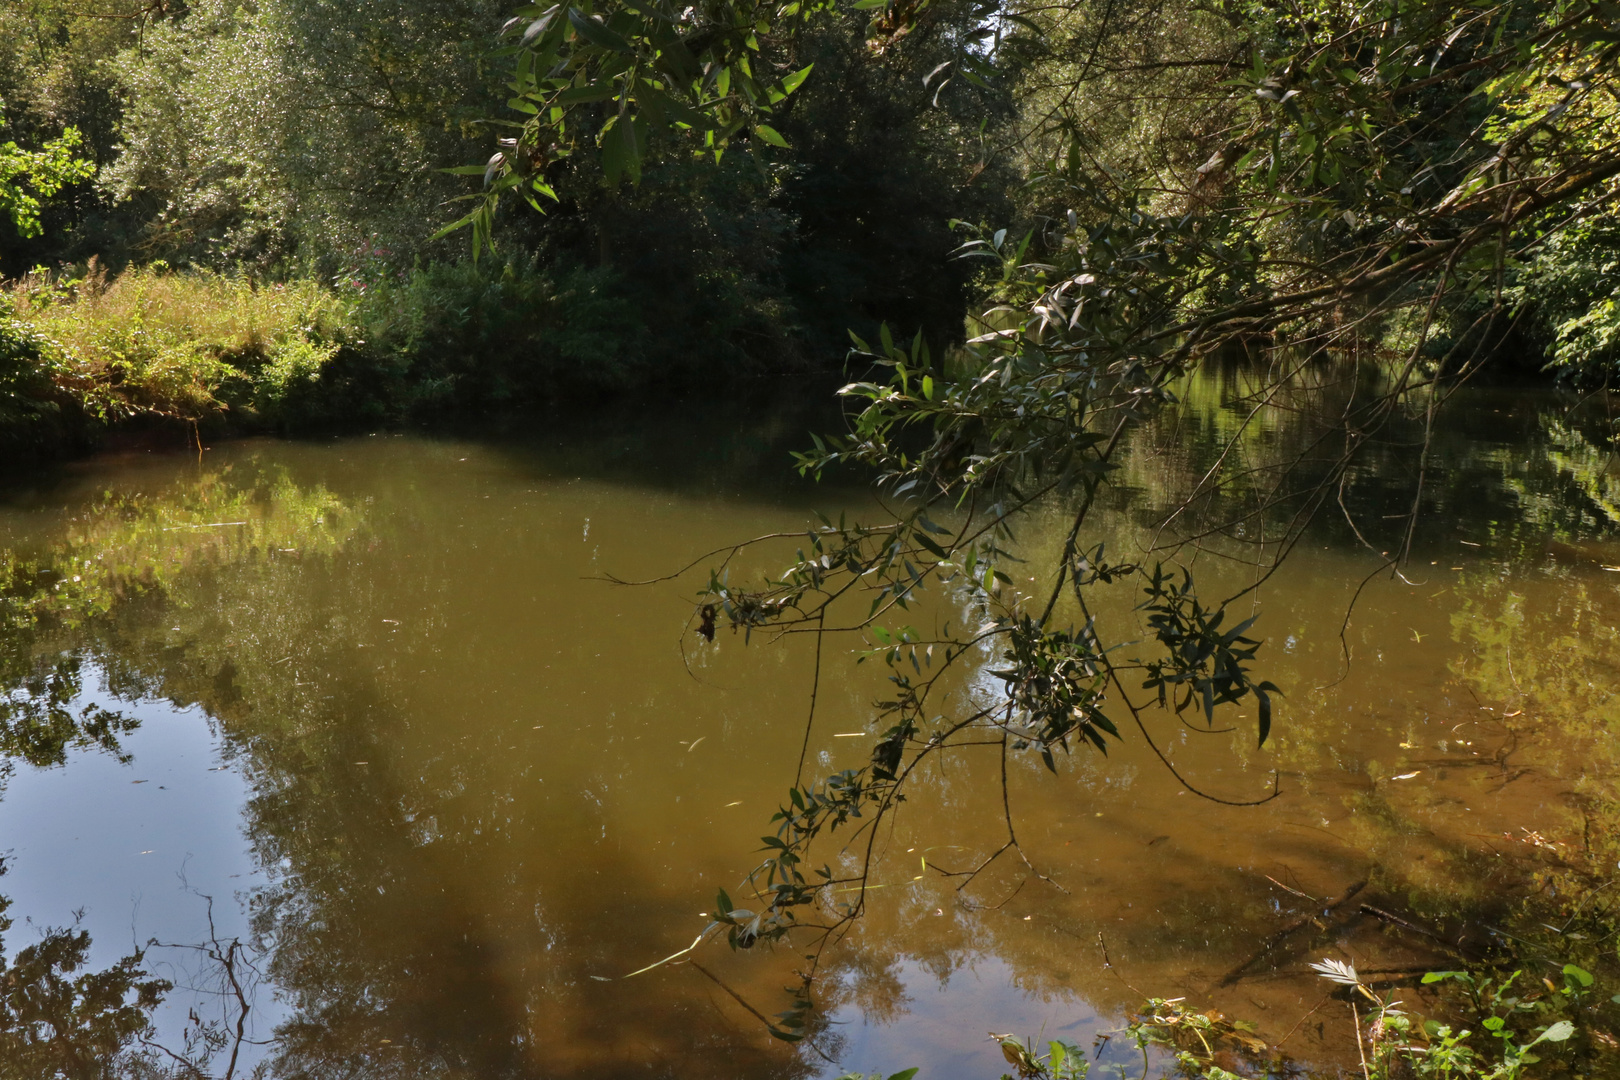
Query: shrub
{"points": [[30, 414], [382, 346], [465, 336]]}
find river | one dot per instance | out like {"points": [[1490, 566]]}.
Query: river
{"points": [[355, 739]]}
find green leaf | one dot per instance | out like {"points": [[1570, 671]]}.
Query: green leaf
{"points": [[597, 34], [795, 80], [905, 1074], [1559, 1032], [1580, 975], [770, 135], [538, 27], [623, 147], [673, 110]]}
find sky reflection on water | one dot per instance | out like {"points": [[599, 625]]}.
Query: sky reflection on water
{"points": [[453, 785]]}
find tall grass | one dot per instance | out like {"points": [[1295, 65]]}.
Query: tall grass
{"points": [[187, 346], [383, 345]]}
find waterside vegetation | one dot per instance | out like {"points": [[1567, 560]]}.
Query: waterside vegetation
{"points": [[700, 228]]}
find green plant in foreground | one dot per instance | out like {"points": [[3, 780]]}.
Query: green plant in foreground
{"points": [[1393, 1044], [1399, 1044], [1194, 1038]]}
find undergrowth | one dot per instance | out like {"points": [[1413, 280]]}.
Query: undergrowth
{"points": [[183, 346], [81, 353]]}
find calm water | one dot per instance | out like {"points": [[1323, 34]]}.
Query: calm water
{"points": [[369, 706]]}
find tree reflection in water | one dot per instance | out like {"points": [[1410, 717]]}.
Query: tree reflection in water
{"points": [[472, 824]]}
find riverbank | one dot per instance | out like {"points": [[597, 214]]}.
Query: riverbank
{"points": [[155, 353], [157, 357]]}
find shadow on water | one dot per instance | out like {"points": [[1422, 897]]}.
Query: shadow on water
{"points": [[479, 785]]}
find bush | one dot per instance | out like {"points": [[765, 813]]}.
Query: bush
{"points": [[1570, 291], [30, 414], [489, 336], [382, 346]]}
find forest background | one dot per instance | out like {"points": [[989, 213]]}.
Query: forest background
{"points": [[253, 238], [231, 214]]}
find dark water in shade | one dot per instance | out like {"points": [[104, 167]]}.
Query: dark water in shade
{"points": [[373, 698]]}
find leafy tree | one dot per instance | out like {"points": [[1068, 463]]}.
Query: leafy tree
{"points": [[55, 75], [26, 176], [296, 126]]}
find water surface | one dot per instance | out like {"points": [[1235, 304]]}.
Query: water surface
{"points": [[370, 705]]}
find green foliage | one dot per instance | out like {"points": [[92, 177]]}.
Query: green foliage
{"points": [[1402, 1044], [752, 264], [620, 77], [30, 412], [1204, 664], [26, 176], [369, 100], [1570, 294], [182, 346], [1195, 1039], [56, 78], [1061, 1061], [457, 337]]}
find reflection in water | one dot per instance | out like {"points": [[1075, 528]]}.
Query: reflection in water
{"points": [[481, 785], [58, 1020]]}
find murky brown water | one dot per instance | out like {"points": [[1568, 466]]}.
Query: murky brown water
{"points": [[373, 697]]}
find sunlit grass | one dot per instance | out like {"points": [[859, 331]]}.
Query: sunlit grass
{"points": [[185, 345]]}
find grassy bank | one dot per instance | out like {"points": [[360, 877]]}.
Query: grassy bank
{"points": [[80, 356]]}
